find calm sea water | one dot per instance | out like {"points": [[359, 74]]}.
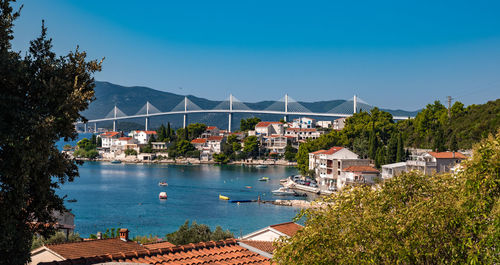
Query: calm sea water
{"points": [[126, 195]]}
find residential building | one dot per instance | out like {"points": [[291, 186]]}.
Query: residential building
{"points": [[275, 143], [303, 123], [394, 169], [434, 162], [199, 143], [324, 124], [328, 164], [339, 124], [227, 251], [159, 145], [58, 253], [267, 128], [262, 239], [142, 137], [210, 131], [356, 175], [303, 134], [214, 143], [109, 138]]}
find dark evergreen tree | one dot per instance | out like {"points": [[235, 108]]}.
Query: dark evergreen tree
{"points": [[453, 143], [168, 132], [439, 141], [392, 149], [42, 96], [372, 152], [400, 155]]}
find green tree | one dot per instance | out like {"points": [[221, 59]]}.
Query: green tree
{"points": [[251, 148], [183, 146], [42, 97], [438, 144], [249, 124], [290, 153], [93, 140], [99, 142], [130, 152], [232, 138], [392, 149], [400, 154], [169, 132], [221, 158], [236, 146], [162, 133], [410, 219], [453, 144], [195, 130], [195, 233]]}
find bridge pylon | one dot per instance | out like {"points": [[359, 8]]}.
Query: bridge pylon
{"points": [[230, 112], [185, 112]]}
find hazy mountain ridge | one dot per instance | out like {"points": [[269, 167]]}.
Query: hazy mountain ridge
{"points": [[131, 99]]}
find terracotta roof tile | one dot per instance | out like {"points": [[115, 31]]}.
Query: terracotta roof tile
{"points": [[199, 141], [211, 127], [361, 169], [109, 134], [266, 123], [289, 228], [125, 138], [266, 246], [449, 155], [333, 150], [318, 152], [92, 248], [221, 252], [163, 244]]}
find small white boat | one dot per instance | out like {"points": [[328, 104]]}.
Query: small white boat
{"points": [[261, 166], [163, 195], [163, 183], [283, 192]]}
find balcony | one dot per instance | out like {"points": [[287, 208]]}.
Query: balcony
{"points": [[416, 163]]}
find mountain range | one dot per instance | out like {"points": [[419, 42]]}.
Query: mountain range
{"points": [[130, 100]]}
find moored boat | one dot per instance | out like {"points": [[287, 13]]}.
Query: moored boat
{"points": [[222, 197], [116, 162], [283, 192], [162, 183], [264, 179], [162, 195], [261, 166]]}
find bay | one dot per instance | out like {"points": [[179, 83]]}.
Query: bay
{"points": [[126, 196]]}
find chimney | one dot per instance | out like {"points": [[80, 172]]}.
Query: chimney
{"points": [[99, 235], [124, 234]]}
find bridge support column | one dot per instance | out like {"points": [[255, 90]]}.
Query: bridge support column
{"points": [[147, 121], [185, 121], [185, 111], [147, 113], [95, 127], [230, 112], [286, 108], [85, 128], [114, 126], [230, 118], [355, 104]]}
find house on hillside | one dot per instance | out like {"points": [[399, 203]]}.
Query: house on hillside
{"points": [[142, 137], [210, 131], [339, 124], [108, 139], [275, 143], [358, 175], [303, 123], [266, 128], [262, 239], [434, 162]]}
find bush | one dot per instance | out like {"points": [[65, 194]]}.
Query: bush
{"points": [[195, 233], [193, 154], [130, 152], [58, 237]]}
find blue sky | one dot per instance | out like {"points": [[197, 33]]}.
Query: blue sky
{"points": [[392, 54]]}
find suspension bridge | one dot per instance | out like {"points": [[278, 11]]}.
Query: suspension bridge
{"points": [[286, 106]]}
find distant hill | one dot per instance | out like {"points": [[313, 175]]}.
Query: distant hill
{"points": [[131, 99]]}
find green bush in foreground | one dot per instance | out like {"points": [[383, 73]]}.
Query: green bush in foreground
{"points": [[195, 233], [411, 219]]}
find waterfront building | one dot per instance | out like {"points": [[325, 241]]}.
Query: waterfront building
{"points": [[109, 138], [434, 162], [159, 145], [142, 137], [358, 175], [210, 131], [303, 134], [275, 143], [328, 165], [266, 128], [324, 124], [214, 144]]}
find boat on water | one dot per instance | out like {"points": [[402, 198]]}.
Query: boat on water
{"points": [[283, 192], [264, 179], [162, 195], [116, 162], [71, 200], [261, 166], [222, 197], [163, 184], [248, 187]]}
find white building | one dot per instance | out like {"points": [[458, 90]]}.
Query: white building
{"points": [[214, 143], [303, 134], [324, 124], [109, 138], [210, 131], [394, 169], [142, 137], [275, 143], [273, 232], [267, 128], [339, 124], [304, 123], [356, 175]]}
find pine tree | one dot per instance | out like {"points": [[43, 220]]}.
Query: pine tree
{"points": [[453, 144], [392, 149], [168, 133], [42, 96], [438, 144], [372, 152]]}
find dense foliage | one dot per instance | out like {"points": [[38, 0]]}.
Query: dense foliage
{"points": [[249, 124], [411, 219], [57, 238], [195, 233], [86, 148], [42, 96]]}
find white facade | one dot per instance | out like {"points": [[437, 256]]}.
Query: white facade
{"points": [[267, 128], [391, 170], [304, 123], [355, 175], [109, 139], [142, 137], [339, 124], [324, 124]]}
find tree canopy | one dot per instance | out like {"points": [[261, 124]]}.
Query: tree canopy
{"points": [[42, 96], [249, 124], [410, 219], [195, 233]]}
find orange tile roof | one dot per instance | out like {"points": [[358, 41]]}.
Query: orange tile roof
{"points": [[109, 134], [289, 228], [93, 248], [163, 244], [266, 246], [266, 123], [318, 152], [447, 155], [333, 150], [215, 138], [199, 141], [220, 252], [150, 132], [211, 127], [125, 138], [361, 169]]}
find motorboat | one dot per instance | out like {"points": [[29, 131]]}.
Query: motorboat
{"points": [[116, 162], [71, 200], [261, 166], [264, 179], [248, 187], [163, 195], [283, 192], [222, 197], [163, 183]]}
